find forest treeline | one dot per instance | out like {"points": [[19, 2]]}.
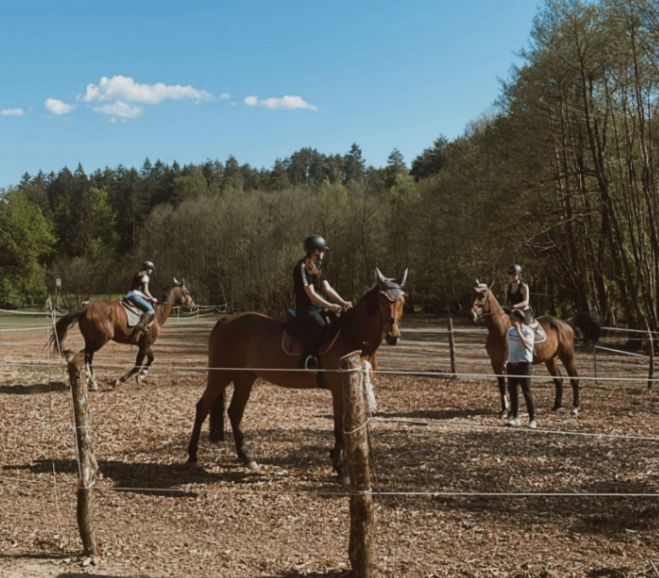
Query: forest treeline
{"points": [[560, 175]]}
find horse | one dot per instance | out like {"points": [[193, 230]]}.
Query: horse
{"points": [[249, 344], [558, 345], [105, 320]]}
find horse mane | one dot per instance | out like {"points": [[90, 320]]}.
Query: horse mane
{"points": [[372, 300]]}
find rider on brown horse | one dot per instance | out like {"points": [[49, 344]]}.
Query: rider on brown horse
{"points": [[139, 295], [517, 293], [308, 281]]}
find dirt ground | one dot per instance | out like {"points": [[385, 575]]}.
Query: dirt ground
{"points": [[155, 517]]}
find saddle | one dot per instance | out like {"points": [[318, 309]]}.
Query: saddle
{"points": [[133, 313], [293, 333]]}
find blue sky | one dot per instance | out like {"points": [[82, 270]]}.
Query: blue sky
{"points": [[190, 81]]}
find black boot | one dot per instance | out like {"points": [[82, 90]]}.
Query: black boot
{"points": [[146, 319]]}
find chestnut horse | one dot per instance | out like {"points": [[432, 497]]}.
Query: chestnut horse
{"points": [[104, 320], [558, 345], [250, 344]]}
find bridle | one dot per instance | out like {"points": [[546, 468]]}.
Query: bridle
{"points": [[482, 313], [392, 295]]}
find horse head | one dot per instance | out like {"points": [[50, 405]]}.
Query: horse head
{"points": [[183, 298], [481, 303], [391, 299]]}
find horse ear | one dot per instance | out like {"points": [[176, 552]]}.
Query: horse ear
{"points": [[176, 282], [491, 285], [477, 282], [400, 282], [182, 282], [379, 277]]}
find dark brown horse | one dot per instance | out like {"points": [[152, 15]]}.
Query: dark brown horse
{"points": [[250, 343], [558, 345], [104, 320]]}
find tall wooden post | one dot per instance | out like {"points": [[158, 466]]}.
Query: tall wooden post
{"points": [[87, 463], [362, 512], [651, 361], [595, 364], [451, 344]]}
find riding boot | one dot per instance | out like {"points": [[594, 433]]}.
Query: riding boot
{"points": [[142, 325]]}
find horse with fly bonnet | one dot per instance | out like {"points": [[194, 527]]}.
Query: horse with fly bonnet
{"points": [[246, 346], [559, 343], [104, 320]]}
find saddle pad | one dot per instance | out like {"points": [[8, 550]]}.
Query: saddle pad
{"points": [[540, 335], [134, 314], [291, 346]]}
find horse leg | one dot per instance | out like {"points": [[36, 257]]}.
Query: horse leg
{"points": [[242, 388], [89, 359], [552, 367], [217, 419], [145, 370], [568, 362], [217, 382], [138, 365], [337, 454]]}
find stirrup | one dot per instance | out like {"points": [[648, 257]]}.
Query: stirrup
{"points": [[311, 362]]}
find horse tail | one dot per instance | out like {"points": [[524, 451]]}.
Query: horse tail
{"points": [[590, 326], [58, 335]]}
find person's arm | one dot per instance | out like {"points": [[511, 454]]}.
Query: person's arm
{"points": [[527, 345], [334, 295], [318, 300], [525, 293], [147, 294]]}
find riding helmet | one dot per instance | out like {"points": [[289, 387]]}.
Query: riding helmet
{"points": [[514, 270], [313, 242], [148, 265]]}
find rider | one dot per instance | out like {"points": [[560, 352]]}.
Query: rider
{"points": [[139, 294], [308, 281], [517, 293]]}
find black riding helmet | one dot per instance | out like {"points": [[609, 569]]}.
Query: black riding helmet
{"points": [[514, 270], [148, 265], [313, 242]]}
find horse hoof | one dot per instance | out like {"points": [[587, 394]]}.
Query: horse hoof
{"points": [[216, 437], [192, 465], [139, 379], [503, 414], [574, 411], [533, 424], [116, 383], [253, 466], [556, 408], [344, 481], [93, 386]]}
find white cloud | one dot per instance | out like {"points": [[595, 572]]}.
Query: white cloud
{"points": [[125, 89], [225, 96], [57, 107], [285, 103], [121, 110], [12, 112]]}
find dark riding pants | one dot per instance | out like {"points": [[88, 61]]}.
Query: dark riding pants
{"points": [[520, 374], [314, 325]]}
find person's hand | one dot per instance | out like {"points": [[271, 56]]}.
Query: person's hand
{"points": [[347, 304], [335, 307]]}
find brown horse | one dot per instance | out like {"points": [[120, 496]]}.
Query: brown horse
{"points": [[104, 320], [249, 344], [558, 345]]}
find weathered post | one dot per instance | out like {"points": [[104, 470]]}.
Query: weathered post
{"points": [[362, 513], [595, 364], [86, 462], [651, 361], [451, 344]]}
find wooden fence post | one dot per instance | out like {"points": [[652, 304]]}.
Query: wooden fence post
{"points": [[86, 461], [362, 512], [595, 364], [451, 344], [651, 363]]}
